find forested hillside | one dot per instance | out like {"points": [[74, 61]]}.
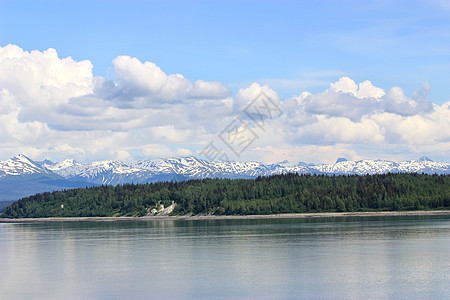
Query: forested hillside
{"points": [[288, 193]]}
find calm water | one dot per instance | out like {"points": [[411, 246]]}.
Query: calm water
{"points": [[351, 258]]}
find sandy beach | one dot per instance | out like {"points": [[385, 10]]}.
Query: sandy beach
{"points": [[248, 217]]}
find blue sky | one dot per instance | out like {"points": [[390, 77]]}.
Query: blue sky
{"points": [[295, 45], [285, 47]]}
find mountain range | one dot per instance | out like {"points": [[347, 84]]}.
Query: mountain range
{"points": [[20, 176]]}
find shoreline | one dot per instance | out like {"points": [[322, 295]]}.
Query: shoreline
{"points": [[233, 217]]}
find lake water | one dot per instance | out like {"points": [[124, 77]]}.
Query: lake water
{"points": [[335, 258]]}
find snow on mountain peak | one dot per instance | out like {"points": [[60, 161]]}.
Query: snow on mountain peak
{"points": [[46, 162], [62, 165], [191, 167], [22, 158], [425, 158], [20, 165], [340, 159]]}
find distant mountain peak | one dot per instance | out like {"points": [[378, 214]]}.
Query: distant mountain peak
{"points": [[69, 162], [70, 174], [425, 158], [21, 165], [21, 157], [47, 162], [191, 167], [340, 159]]}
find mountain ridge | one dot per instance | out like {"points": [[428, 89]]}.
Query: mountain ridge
{"points": [[70, 173]]}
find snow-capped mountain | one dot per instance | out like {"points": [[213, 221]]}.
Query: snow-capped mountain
{"points": [[192, 167], [21, 165], [101, 172], [359, 167], [423, 165], [20, 177], [70, 173], [368, 166], [112, 171]]}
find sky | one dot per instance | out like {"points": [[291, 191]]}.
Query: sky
{"points": [[297, 80]]}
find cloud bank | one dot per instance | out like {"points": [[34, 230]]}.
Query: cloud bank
{"points": [[52, 107]]}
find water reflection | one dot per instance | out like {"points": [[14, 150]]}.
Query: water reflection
{"points": [[346, 258]]}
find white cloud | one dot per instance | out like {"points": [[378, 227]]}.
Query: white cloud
{"points": [[14, 132], [40, 81], [345, 85], [418, 129], [345, 99], [139, 79], [397, 102], [54, 107], [246, 95], [309, 153], [368, 90], [146, 85], [332, 130], [121, 155], [365, 90], [158, 150], [340, 104], [205, 89]]}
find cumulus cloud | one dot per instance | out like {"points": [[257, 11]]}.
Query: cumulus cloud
{"points": [[339, 104], [397, 102], [246, 95], [15, 132], [365, 90], [57, 105], [361, 117], [340, 130], [306, 153], [368, 90], [426, 129], [345, 85], [40, 81], [146, 85], [54, 107], [346, 99]]}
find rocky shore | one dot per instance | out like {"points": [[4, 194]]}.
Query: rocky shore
{"points": [[213, 217]]}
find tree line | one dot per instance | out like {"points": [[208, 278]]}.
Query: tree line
{"points": [[285, 193]]}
